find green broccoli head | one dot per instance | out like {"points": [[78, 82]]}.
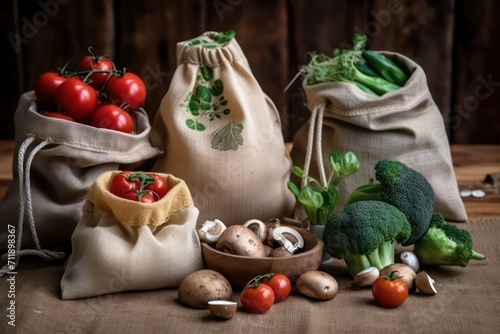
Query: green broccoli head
{"points": [[406, 189], [445, 245], [364, 234]]}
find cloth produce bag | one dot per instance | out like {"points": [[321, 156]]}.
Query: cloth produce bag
{"points": [[403, 125], [55, 163], [222, 134], [122, 245]]}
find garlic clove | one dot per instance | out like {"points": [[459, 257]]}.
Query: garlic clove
{"points": [[288, 238], [258, 227], [425, 284], [411, 260], [366, 277], [211, 230]]}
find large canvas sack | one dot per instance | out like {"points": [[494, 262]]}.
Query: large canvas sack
{"points": [[222, 134], [403, 125], [122, 245], [55, 164]]}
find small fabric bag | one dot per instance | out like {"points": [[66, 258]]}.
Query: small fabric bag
{"points": [[403, 125], [55, 164], [122, 245], [222, 134]]}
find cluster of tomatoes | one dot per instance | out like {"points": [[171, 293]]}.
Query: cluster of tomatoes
{"points": [[96, 94], [138, 186], [260, 294]]}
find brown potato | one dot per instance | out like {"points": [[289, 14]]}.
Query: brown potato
{"points": [[317, 284], [202, 286]]}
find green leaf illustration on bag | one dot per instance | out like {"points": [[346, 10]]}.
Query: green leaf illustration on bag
{"points": [[228, 137], [207, 101]]}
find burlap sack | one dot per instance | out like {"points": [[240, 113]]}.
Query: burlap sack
{"points": [[122, 245], [55, 164], [222, 135], [403, 125]]}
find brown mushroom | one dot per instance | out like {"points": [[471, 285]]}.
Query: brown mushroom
{"points": [[239, 240]]}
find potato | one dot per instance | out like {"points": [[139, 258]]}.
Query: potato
{"points": [[240, 240], [407, 274], [202, 286], [317, 284]]}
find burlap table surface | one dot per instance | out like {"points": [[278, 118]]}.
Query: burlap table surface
{"points": [[468, 301]]}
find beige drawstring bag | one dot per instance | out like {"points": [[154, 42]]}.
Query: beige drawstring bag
{"points": [[55, 163], [403, 125], [222, 134], [122, 245]]}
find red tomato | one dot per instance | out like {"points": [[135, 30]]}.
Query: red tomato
{"points": [[75, 98], [281, 286], [159, 187], [390, 291], [121, 185], [112, 117], [45, 90], [144, 197], [257, 298], [127, 89], [96, 63], [58, 115]]}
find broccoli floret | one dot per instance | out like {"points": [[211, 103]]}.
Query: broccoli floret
{"points": [[365, 233], [406, 189], [445, 245]]}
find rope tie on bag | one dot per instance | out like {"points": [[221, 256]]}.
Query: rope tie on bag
{"points": [[25, 204], [314, 143]]}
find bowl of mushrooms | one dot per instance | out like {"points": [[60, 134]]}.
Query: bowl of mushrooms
{"points": [[241, 252]]}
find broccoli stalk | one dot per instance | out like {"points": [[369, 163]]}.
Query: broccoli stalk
{"points": [[365, 233], [406, 189], [382, 256], [445, 245]]}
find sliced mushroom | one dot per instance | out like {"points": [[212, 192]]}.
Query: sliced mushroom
{"points": [[425, 284], [258, 227], [211, 230], [366, 277], [224, 309], [288, 238]]}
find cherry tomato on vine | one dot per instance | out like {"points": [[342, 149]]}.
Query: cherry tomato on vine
{"points": [[96, 63], [45, 89], [390, 291], [127, 90], [110, 116], [53, 114], [159, 187], [120, 184], [257, 297], [281, 286], [75, 98]]}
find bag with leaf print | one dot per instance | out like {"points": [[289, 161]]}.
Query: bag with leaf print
{"points": [[123, 245], [55, 164], [222, 134]]}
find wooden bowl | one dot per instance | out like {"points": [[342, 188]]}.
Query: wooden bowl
{"points": [[239, 270]]}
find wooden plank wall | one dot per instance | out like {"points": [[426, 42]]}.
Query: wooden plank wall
{"points": [[453, 40]]}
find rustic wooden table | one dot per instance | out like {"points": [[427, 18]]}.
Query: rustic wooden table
{"points": [[472, 164]]}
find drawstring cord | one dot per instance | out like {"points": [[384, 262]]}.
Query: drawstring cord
{"points": [[25, 204], [314, 143]]}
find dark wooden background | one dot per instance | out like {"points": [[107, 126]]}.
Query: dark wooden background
{"points": [[455, 41]]}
